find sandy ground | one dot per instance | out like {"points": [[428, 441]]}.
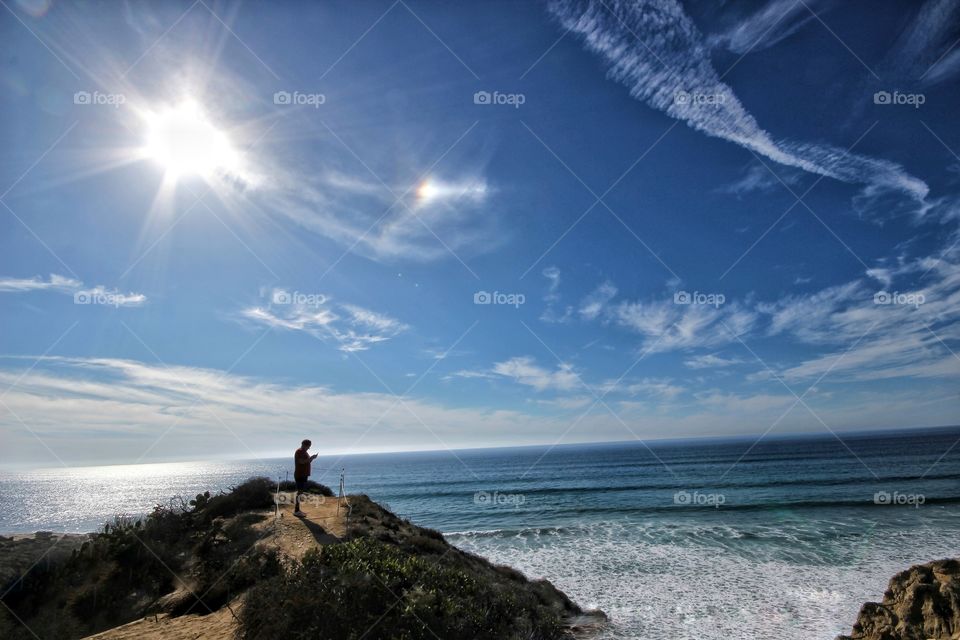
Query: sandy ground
{"points": [[219, 625], [293, 536]]}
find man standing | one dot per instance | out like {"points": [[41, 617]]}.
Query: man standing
{"points": [[301, 471]]}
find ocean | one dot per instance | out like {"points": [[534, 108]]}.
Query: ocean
{"points": [[699, 539]]}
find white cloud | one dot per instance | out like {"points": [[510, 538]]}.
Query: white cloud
{"points": [[657, 388], [851, 335], [552, 274], [946, 68], [925, 48], [96, 408], [757, 178], [667, 326], [525, 371], [862, 340], [566, 403], [416, 221], [374, 320], [109, 410], [356, 330], [655, 50], [552, 298], [61, 284], [746, 404], [774, 21], [596, 303], [709, 361], [111, 297], [36, 283]]}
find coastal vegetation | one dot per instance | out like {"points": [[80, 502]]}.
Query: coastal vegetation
{"points": [[380, 577]]}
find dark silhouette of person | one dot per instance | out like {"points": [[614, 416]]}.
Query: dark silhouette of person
{"points": [[301, 472]]}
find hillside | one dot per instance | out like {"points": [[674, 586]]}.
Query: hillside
{"points": [[216, 568]]}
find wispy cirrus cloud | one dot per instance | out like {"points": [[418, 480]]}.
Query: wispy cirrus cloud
{"points": [[661, 389], [525, 370], [54, 282], [552, 297], [595, 303], [926, 50], [88, 408], [900, 320], [667, 326], [757, 178], [654, 49], [899, 323], [404, 216], [98, 410], [710, 361], [71, 286], [774, 21], [564, 378], [351, 327]]}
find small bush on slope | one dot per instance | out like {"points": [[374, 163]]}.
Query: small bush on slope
{"points": [[122, 573], [312, 487], [365, 588]]}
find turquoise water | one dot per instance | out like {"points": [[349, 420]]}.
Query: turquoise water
{"points": [[694, 539]]}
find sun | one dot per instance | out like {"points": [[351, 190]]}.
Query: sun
{"points": [[184, 141], [427, 190]]}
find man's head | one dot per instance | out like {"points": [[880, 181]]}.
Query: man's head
{"points": [[305, 445]]}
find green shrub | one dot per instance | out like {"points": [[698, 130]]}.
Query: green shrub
{"points": [[312, 487], [364, 588], [120, 575], [255, 493]]}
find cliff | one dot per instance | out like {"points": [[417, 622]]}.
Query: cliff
{"points": [[921, 603], [218, 566]]}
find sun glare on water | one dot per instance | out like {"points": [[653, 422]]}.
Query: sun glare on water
{"points": [[185, 142]]}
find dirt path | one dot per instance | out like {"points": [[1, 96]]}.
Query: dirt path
{"points": [[322, 525], [219, 625], [291, 535]]}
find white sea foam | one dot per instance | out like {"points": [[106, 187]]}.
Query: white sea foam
{"points": [[658, 581]]}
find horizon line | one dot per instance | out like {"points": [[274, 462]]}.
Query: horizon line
{"points": [[859, 433]]}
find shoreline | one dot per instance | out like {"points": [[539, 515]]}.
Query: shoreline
{"points": [[20, 552]]}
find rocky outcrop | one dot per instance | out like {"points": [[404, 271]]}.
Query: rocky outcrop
{"points": [[921, 603]]}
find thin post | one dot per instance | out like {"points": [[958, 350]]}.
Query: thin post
{"points": [[276, 500]]}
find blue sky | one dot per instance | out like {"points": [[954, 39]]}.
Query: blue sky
{"points": [[426, 226]]}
